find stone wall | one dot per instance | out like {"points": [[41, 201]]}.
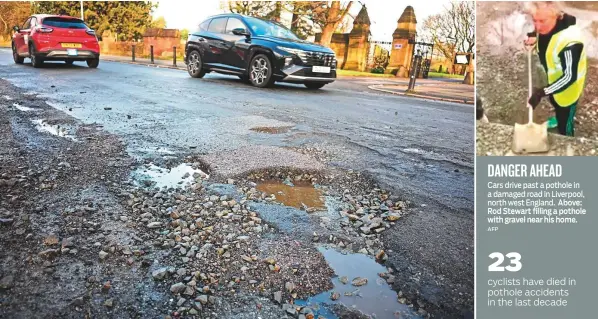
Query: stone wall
{"points": [[162, 46], [163, 41], [340, 45], [352, 49]]}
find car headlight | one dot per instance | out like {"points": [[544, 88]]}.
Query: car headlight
{"points": [[300, 53]]}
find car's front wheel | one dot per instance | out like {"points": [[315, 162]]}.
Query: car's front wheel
{"points": [[15, 55], [195, 64], [314, 86], [36, 61], [93, 63], [260, 71]]}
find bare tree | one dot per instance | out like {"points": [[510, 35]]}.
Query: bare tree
{"points": [[453, 30], [300, 24], [307, 15], [269, 10], [12, 14], [328, 17]]}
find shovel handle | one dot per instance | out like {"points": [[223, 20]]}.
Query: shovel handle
{"points": [[530, 113], [529, 72]]}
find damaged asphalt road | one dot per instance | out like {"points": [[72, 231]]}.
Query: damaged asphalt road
{"points": [[420, 151]]}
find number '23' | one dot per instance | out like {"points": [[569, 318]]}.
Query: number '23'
{"points": [[514, 258]]}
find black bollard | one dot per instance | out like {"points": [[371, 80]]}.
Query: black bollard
{"points": [[174, 56], [152, 53], [133, 50], [414, 72]]}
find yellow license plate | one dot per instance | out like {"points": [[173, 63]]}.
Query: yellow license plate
{"points": [[71, 45]]}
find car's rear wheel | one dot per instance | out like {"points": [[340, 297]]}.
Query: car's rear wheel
{"points": [[195, 64], [314, 85], [15, 55], [69, 62], [36, 61], [260, 71], [93, 63]]}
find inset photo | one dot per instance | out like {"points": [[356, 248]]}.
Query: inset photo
{"points": [[537, 78]]}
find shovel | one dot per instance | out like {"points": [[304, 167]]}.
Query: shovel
{"points": [[530, 137]]}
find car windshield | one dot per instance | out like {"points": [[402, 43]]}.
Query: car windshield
{"points": [[64, 23], [270, 29]]}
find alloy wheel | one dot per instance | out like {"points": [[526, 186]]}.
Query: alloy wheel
{"points": [[259, 70], [193, 63]]}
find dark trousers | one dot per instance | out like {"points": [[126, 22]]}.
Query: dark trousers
{"points": [[565, 117]]}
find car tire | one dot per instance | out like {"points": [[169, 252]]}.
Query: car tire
{"points": [[260, 71], [314, 86], [15, 55], [69, 62], [93, 63], [36, 61], [195, 64]]}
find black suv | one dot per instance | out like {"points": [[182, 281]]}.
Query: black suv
{"points": [[257, 51]]}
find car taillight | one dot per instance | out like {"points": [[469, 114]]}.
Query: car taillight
{"points": [[45, 30], [91, 32]]}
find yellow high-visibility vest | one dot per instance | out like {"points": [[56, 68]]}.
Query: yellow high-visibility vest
{"points": [[554, 69]]}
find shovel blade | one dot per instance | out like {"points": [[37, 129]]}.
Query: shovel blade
{"points": [[530, 138]]}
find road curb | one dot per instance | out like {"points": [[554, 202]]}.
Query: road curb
{"points": [[365, 77], [378, 87], [146, 64]]}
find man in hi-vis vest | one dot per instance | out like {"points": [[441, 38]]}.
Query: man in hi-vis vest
{"points": [[562, 53]]}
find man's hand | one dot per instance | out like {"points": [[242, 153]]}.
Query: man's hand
{"points": [[530, 42], [537, 95]]}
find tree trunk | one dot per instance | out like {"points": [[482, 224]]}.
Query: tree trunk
{"points": [[334, 17], [277, 11], [295, 19], [327, 33]]}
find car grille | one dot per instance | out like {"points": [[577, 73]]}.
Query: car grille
{"points": [[309, 73], [318, 59]]}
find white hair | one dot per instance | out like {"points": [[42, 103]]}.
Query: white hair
{"points": [[555, 6]]}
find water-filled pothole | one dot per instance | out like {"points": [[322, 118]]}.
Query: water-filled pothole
{"points": [[176, 177], [375, 298], [55, 129], [298, 194], [272, 130]]}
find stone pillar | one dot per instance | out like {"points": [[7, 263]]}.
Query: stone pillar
{"points": [[402, 51], [359, 45]]}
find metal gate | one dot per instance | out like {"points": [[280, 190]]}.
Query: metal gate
{"points": [[379, 54], [422, 55]]}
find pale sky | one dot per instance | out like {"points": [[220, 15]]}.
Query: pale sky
{"points": [[187, 14]]}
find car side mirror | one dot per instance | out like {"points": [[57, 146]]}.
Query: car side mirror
{"points": [[16, 28], [241, 31]]}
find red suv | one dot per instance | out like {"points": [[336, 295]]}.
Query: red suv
{"points": [[55, 38]]}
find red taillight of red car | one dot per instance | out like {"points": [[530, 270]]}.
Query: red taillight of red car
{"points": [[45, 30]]}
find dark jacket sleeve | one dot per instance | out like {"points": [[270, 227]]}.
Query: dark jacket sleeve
{"points": [[570, 57]]}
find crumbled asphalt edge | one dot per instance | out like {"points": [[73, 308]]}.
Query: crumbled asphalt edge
{"points": [[99, 248], [55, 204]]}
